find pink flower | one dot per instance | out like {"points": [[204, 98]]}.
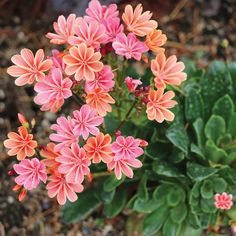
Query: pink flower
{"points": [[30, 172], [158, 105], [52, 91], [167, 71], [123, 166], [129, 46], [138, 22], [63, 190], [65, 135], [57, 60], [100, 13], [127, 147], [126, 151], [113, 27], [28, 68], [103, 80], [132, 84], [83, 62], [64, 28], [223, 201], [92, 34], [86, 121], [73, 163]]}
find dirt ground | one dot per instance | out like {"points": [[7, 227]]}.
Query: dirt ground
{"points": [[198, 29]]}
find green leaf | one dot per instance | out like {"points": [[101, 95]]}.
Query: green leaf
{"points": [[193, 220], [207, 205], [232, 126], [195, 190], [197, 150], [219, 184], [231, 213], [142, 188], [188, 230], [175, 197], [215, 127], [179, 213], [178, 136], [116, 205], [75, 211], [224, 139], [171, 228], [207, 189], [194, 106], [165, 169], [216, 83], [197, 172], [112, 182], [232, 71], [157, 150], [111, 123], [198, 126], [154, 221], [161, 192], [214, 153], [224, 107], [146, 206], [176, 156], [105, 197]]}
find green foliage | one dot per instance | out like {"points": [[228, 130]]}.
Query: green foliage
{"points": [[184, 165], [79, 210]]}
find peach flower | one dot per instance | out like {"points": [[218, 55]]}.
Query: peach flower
{"points": [[158, 105], [167, 71], [50, 157], [137, 22], [99, 148], [21, 144], [100, 100], [83, 62], [155, 39]]}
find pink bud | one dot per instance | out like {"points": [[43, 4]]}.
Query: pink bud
{"points": [[132, 84], [21, 118], [11, 172], [118, 133]]}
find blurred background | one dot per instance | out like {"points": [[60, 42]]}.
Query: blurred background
{"points": [[199, 30]]}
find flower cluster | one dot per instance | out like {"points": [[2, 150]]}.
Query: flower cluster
{"points": [[86, 69]]}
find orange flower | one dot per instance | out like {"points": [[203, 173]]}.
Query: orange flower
{"points": [[21, 144], [99, 148], [100, 100], [155, 39], [159, 102], [50, 155], [137, 22], [83, 62]]}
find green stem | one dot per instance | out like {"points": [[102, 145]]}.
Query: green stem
{"points": [[78, 99], [100, 174], [127, 115], [177, 89]]}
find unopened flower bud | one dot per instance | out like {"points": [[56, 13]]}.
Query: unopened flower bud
{"points": [[22, 195]]}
